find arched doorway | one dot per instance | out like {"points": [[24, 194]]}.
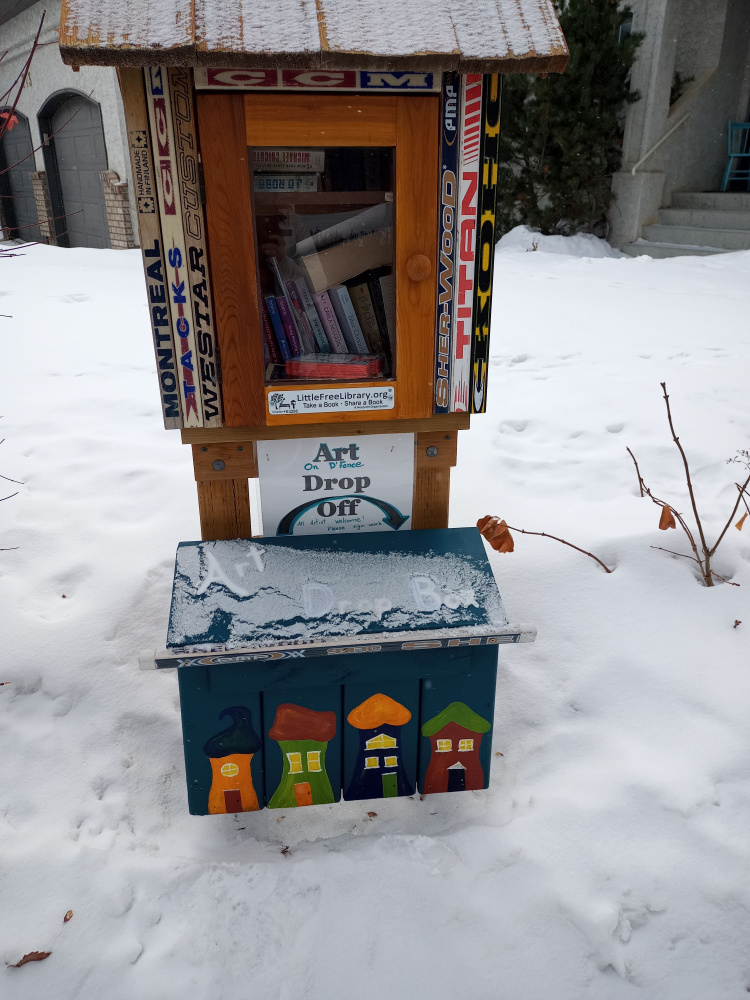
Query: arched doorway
{"points": [[74, 155], [16, 190]]}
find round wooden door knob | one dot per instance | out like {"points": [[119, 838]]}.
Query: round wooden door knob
{"points": [[418, 267]]}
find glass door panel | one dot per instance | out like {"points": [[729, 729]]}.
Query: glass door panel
{"points": [[324, 239]]}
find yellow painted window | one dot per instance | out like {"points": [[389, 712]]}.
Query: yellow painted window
{"points": [[390, 762], [380, 742], [229, 770], [465, 745], [295, 762], [313, 760], [443, 746], [371, 762]]}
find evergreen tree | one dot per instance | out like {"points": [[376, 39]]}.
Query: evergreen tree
{"points": [[561, 135]]}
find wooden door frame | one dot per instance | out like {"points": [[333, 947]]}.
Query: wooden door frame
{"points": [[411, 124]]}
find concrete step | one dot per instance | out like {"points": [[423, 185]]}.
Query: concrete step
{"points": [[661, 250], [695, 236], [717, 201], [705, 218]]}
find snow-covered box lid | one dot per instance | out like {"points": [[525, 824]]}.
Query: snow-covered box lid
{"points": [[257, 598], [467, 36]]}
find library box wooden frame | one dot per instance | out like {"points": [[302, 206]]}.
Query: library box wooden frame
{"points": [[228, 124]]}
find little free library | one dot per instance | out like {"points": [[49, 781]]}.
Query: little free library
{"points": [[315, 188]]}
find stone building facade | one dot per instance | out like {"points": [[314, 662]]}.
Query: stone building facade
{"points": [[66, 172]]}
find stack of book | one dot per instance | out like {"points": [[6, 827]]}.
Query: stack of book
{"points": [[335, 366], [335, 318]]}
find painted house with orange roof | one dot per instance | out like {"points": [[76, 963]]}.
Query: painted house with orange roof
{"points": [[230, 753], [303, 736], [379, 769]]}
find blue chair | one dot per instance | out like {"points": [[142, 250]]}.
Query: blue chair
{"points": [[738, 149]]}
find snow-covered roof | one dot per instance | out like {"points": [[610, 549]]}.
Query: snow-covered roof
{"points": [[470, 36]]}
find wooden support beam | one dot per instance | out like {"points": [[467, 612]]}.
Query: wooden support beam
{"points": [[435, 448], [224, 461], [224, 507], [440, 423]]}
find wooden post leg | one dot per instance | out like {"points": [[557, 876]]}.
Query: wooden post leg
{"points": [[224, 506], [434, 455], [221, 475], [431, 497]]}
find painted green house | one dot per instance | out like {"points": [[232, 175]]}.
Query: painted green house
{"points": [[303, 737]]}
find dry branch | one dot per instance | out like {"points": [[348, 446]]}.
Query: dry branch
{"points": [[488, 524]]}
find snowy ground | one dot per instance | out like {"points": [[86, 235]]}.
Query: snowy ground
{"points": [[608, 860]]}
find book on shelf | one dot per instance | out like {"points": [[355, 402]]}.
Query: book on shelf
{"points": [[378, 296], [342, 261], [289, 314], [385, 286], [304, 329], [271, 351], [347, 317], [321, 341], [295, 160], [284, 183], [278, 327], [364, 306], [335, 366], [295, 347], [369, 220], [330, 324]]}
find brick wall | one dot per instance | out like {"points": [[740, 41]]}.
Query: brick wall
{"points": [[43, 206], [118, 210]]}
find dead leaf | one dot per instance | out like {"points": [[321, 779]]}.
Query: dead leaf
{"points": [[68, 916], [372, 815], [736, 623], [498, 754], [63, 595], [32, 956], [667, 518], [496, 532], [285, 850], [741, 521]]}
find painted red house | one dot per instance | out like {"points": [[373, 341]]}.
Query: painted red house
{"points": [[455, 735]]}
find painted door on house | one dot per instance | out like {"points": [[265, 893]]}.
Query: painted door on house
{"points": [[16, 190], [80, 153]]}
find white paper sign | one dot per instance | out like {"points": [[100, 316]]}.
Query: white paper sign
{"points": [[282, 402], [322, 485]]}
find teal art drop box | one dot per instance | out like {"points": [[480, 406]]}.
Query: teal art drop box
{"points": [[314, 668]]}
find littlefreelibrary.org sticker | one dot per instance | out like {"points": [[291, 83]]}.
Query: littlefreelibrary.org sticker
{"points": [[282, 402]]}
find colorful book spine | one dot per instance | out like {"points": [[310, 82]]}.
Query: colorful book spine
{"points": [[345, 314], [170, 211], [466, 226], [447, 197], [144, 186], [330, 324], [194, 226], [271, 352], [278, 327], [290, 329], [368, 320], [485, 242], [376, 285], [303, 323], [321, 341]]}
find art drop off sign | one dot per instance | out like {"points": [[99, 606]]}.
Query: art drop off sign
{"points": [[324, 486]]}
